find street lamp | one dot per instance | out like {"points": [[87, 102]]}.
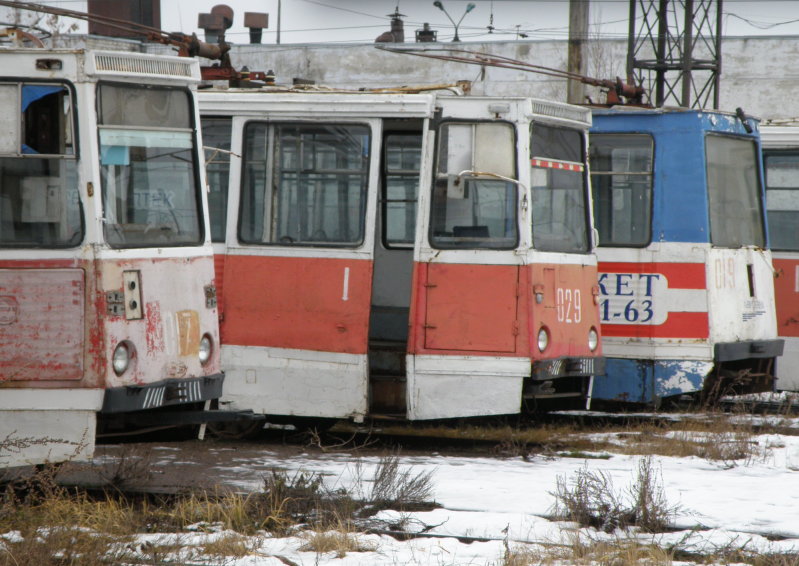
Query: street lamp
{"points": [[469, 8]]}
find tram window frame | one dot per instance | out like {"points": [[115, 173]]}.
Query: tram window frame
{"points": [[410, 210], [778, 209], [720, 209], [477, 235], [563, 161], [37, 208], [606, 217], [217, 168], [118, 123], [268, 200]]}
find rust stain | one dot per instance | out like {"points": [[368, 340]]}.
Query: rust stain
{"points": [[155, 329]]}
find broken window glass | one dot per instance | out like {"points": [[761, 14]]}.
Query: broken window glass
{"points": [[39, 200]]}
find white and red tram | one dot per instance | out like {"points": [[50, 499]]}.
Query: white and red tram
{"points": [[107, 297], [414, 255], [780, 141]]}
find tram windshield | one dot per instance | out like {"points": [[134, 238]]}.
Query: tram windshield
{"points": [[148, 167], [304, 184], [558, 188], [473, 206], [782, 198], [733, 185], [39, 200], [621, 181]]}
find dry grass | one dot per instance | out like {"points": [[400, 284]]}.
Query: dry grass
{"points": [[53, 525], [590, 500], [585, 552], [396, 487], [232, 545], [338, 542]]}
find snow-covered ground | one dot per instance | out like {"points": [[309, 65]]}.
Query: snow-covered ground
{"points": [[750, 504]]}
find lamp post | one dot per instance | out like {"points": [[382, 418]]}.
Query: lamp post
{"points": [[469, 8]]}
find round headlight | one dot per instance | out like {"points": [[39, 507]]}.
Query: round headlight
{"points": [[206, 347], [121, 358], [593, 339], [543, 339]]}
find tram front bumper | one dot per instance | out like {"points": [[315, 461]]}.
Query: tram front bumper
{"points": [[165, 393]]}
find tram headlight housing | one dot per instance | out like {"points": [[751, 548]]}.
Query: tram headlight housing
{"points": [[543, 339], [121, 358], [206, 349], [593, 339]]}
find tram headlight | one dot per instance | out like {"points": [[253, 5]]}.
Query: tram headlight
{"points": [[543, 339], [206, 348], [593, 339], [121, 358]]}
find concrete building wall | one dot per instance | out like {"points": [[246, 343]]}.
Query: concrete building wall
{"points": [[758, 73]]}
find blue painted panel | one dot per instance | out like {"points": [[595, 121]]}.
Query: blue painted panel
{"points": [[627, 381], [680, 180], [647, 381]]}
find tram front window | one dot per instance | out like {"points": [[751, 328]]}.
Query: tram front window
{"points": [[147, 167], [733, 187], [39, 200], [782, 199], [559, 196], [473, 206]]}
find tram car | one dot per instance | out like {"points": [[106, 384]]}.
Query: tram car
{"points": [[685, 275], [411, 256], [780, 140], [107, 297]]}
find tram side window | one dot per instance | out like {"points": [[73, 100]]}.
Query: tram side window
{"points": [[216, 139], [734, 192], [403, 155], [560, 222], [148, 163], [304, 184], [782, 199], [39, 199], [472, 207], [621, 181]]}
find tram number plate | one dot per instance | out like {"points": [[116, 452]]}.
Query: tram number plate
{"points": [[632, 298]]}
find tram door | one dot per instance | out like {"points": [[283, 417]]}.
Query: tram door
{"points": [[298, 274], [465, 354], [400, 165]]}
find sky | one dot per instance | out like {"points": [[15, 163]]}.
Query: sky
{"points": [[348, 21]]}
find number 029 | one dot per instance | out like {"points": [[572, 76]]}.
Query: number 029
{"points": [[569, 305]]}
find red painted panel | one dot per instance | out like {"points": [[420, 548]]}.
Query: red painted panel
{"points": [[679, 275], [219, 280], [567, 309], [787, 296], [471, 307], [304, 303], [41, 324]]}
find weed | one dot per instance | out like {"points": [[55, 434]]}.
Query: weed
{"points": [[590, 499], [232, 545], [339, 541], [398, 488]]}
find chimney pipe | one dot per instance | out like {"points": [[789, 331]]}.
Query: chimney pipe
{"points": [[257, 22]]}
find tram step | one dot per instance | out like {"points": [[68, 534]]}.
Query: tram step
{"points": [[386, 393], [387, 358]]}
